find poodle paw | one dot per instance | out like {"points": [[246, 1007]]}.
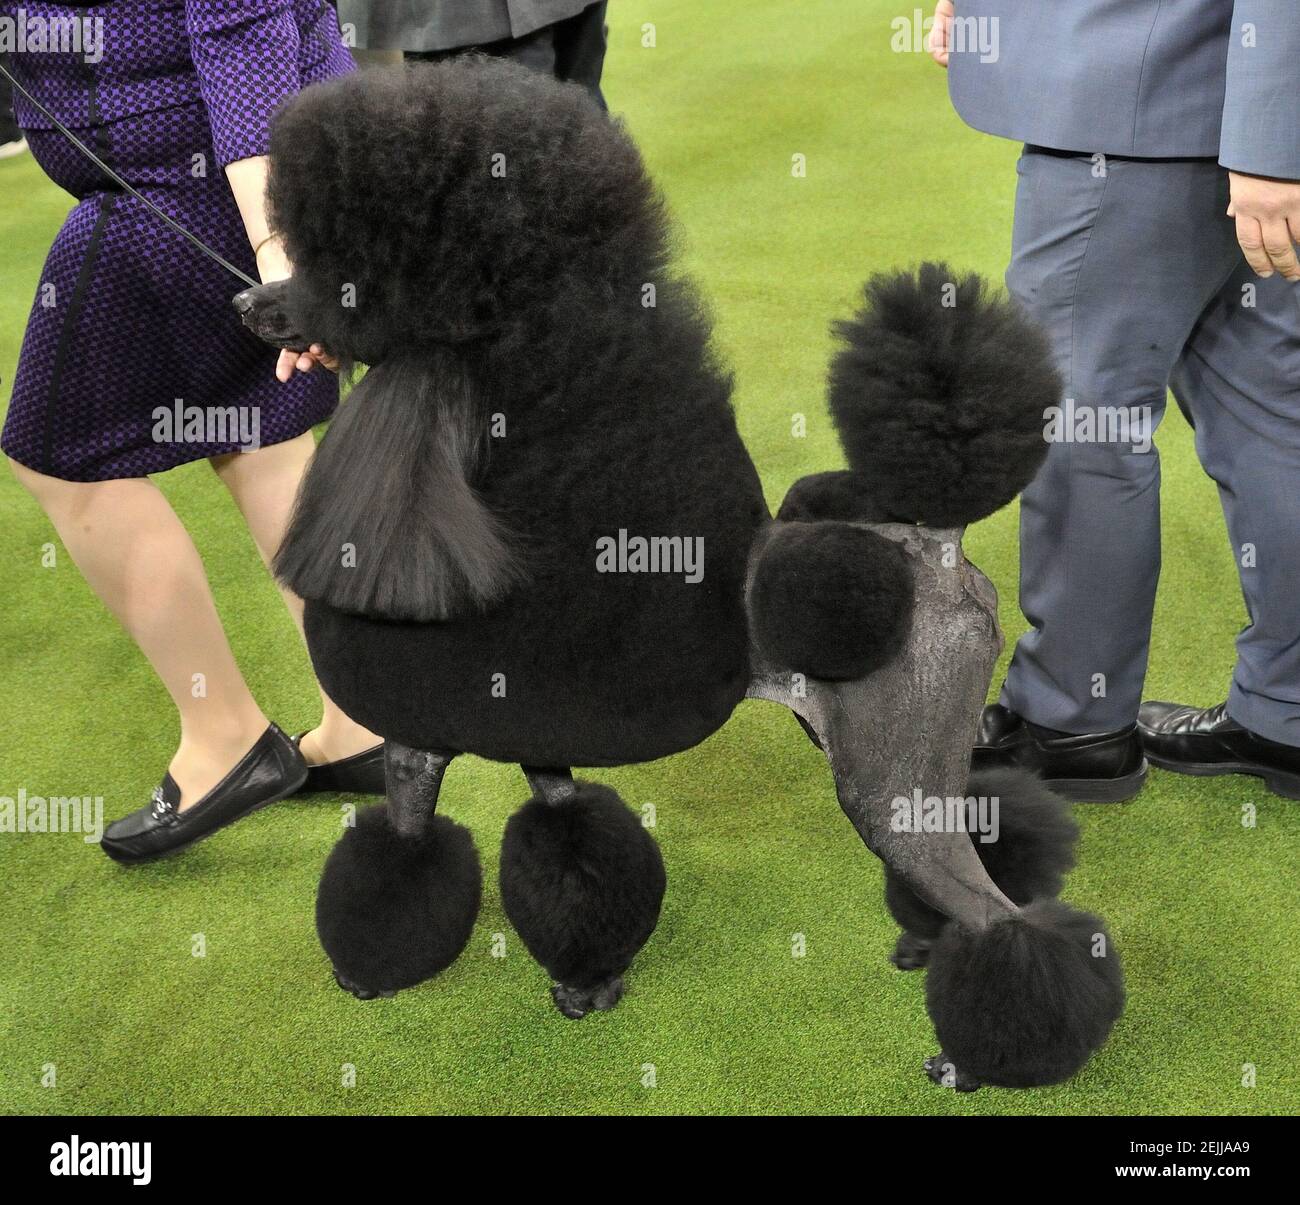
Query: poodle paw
{"points": [[575, 1003], [911, 953], [361, 993], [942, 1071]]}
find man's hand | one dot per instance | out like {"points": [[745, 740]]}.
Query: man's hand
{"points": [[1268, 223], [941, 31]]}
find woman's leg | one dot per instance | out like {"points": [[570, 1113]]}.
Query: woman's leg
{"points": [[264, 484], [140, 561]]}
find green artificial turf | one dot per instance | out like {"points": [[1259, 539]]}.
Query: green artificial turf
{"points": [[98, 978]]}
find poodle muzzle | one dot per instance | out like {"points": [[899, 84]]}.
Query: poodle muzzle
{"points": [[264, 309]]}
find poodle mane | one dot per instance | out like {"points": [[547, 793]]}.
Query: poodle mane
{"points": [[490, 242]]}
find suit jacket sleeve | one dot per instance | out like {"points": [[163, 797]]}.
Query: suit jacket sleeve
{"points": [[246, 56], [1261, 113]]}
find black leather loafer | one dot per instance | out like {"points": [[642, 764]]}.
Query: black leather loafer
{"points": [[360, 774], [1100, 767], [1207, 740], [272, 769]]}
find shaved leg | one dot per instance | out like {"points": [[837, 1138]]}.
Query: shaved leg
{"points": [[141, 563], [264, 485]]}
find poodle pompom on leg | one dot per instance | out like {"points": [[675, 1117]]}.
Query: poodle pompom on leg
{"points": [[582, 882], [400, 891], [1024, 1002]]}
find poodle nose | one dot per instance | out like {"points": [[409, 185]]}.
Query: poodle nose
{"points": [[243, 302]]}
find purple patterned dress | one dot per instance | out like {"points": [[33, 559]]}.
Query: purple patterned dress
{"points": [[134, 361]]}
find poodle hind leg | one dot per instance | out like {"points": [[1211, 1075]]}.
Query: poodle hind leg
{"points": [[582, 882], [1019, 995], [400, 891]]}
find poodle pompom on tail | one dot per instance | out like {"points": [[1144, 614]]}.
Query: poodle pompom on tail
{"points": [[938, 392]]}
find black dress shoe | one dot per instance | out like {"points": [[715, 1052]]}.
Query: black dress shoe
{"points": [[1101, 767], [360, 774], [270, 770], [1208, 740]]}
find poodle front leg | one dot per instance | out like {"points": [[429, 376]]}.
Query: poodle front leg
{"points": [[414, 779], [400, 891]]}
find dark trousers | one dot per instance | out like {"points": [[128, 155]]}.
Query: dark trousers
{"points": [[572, 50], [1134, 274]]}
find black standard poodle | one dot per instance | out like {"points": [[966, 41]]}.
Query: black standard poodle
{"points": [[534, 534]]}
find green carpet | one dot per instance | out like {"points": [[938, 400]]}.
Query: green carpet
{"points": [[98, 979]]}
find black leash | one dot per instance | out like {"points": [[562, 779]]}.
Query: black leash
{"points": [[112, 175]]}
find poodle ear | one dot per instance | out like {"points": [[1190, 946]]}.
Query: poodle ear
{"points": [[939, 393], [386, 523]]}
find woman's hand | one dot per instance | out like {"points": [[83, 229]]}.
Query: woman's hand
{"points": [[273, 264], [304, 361], [247, 179]]}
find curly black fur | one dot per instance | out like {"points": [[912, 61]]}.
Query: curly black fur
{"points": [[1027, 1001], [582, 883], [392, 911], [830, 599], [940, 407], [604, 412], [1029, 860], [839, 494]]}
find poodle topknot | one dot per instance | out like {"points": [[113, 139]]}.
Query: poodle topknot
{"points": [[450, 199]]}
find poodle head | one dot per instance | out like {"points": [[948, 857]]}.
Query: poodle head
{"points": [[448, 203]]}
